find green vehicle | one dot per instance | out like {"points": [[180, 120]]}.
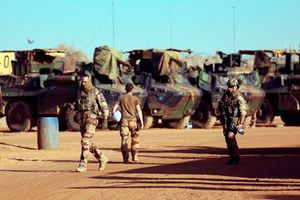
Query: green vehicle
{"points": [[171, 98], [109, 73], [34, 84], [279, 73], [211, 77]]}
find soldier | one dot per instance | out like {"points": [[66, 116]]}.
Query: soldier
{"points": [[130, 106], [232, 111], [90, 103]]}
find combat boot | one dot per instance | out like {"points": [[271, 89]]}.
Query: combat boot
{"points": [[102, 162], [81, 167]]}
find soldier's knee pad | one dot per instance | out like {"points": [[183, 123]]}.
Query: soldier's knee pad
{"points": [[85, 141]]}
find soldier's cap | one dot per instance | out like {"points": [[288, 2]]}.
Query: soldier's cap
{"points": [[232, 82], [128, 87]]}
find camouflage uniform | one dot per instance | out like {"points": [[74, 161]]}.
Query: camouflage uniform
{"points": [[129, 127], [235, 108], [90, 104]]}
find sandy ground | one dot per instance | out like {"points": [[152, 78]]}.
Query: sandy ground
{"points": [[174, 164]]}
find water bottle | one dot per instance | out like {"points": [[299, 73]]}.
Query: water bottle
{"points": [[241, 131]]}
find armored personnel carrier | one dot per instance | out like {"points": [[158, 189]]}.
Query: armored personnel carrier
{"points": [[171, 98], [279, 72], [109, 73], [34, 84], [211, 77]]}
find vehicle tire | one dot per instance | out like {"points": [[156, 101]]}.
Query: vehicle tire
{"points": [[247, 122], [203, 117], [180, 123], [265, 114], [73, 120], [19, 116], [114, 126], [290, 119], [148, 121]]}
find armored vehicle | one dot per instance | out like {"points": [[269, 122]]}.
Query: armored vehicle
{"points": [[171, 98], [109, 73], [279, 73], [211, 77], [34, 84]]}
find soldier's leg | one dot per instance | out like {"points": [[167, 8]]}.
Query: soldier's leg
{"points": [[232, 147], [135, 144], [102, 159], [124, 133], [85, 146]]}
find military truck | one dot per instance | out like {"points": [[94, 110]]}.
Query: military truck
{"points": [[171, 98], [211, 76], [279, 72], [109, 73], [34, 84]]}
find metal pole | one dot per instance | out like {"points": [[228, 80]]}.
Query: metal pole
{"points": [[113, 22], [171, 25], [233, 9]]}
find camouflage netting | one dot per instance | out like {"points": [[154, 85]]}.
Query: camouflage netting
{"points": [[168, 62], [106, 61]]}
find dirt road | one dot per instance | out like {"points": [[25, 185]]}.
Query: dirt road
{"points": [[175, 164]]}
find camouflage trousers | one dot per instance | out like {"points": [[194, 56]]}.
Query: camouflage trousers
{"points": [[128, 127], [87, 130], [232, 146]]}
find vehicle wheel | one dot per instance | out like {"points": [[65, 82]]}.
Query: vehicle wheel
{"points": [[265, 114], [247, 122], [180, 123], [148, 121], [203, 117], [19, 116], [73, 120], [290, 119]]}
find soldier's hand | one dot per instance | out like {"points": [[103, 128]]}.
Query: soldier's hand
{"points": [[71, 106], [104, 124]]}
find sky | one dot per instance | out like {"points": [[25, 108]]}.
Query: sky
{"points": [[204, 26]]}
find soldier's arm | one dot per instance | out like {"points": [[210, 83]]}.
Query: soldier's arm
{"points": [[140, 113], [243, 110], [103, 104], [115, 107]]}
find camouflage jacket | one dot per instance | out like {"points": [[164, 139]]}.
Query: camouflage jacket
{"points": [[92, 101], [234, 106]]}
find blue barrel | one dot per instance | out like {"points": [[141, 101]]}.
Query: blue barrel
{"points": [[48, 133]]}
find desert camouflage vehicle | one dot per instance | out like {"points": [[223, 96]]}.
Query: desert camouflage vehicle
{"points": [[171, 98], [211, 77], [35, 84], [109, 73], [279, 72]]}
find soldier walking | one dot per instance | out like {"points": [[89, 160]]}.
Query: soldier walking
{"points": [[130, 107], [90, 103], [232, 111]]}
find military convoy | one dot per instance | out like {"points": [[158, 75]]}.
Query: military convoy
{"points": [[34, 83], [211, 77], [279, 73], [171, 98]]}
